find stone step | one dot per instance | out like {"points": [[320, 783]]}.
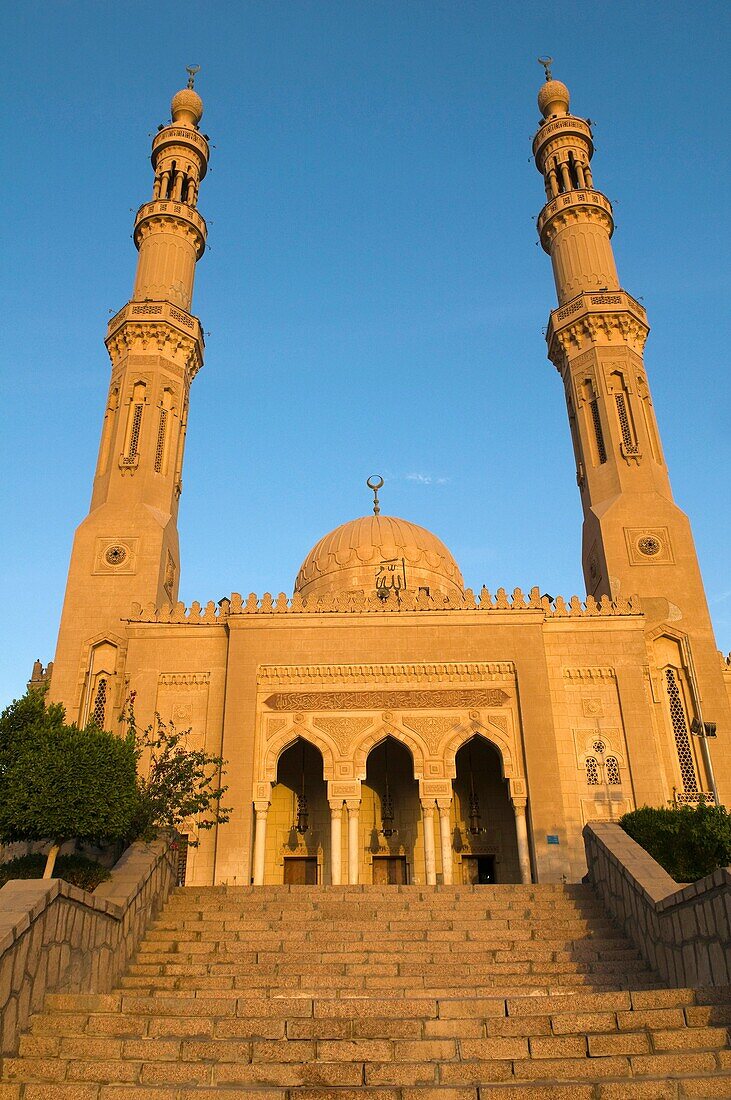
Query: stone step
{"points": [[453, 1020], [416, 967], [353, 1062]]}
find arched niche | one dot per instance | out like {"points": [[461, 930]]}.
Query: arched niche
{"points": [[286, 737], [414, 745], [490, 733]]}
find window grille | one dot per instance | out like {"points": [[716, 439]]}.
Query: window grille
{"points": [[99, 708], [601, 449], [182, 865], [160, 448], [592, 771], [630, 445], [680, 732], [599, 747], [134, 436], [612, 768]]}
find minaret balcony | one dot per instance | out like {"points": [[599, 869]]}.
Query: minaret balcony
{"points": [[163, 210], [595, 318], [157, 313], [567, 126], [185, 138], [570, 206]]}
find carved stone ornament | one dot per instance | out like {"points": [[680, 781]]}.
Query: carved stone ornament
{"points": [[454, 699], [115, 555]]}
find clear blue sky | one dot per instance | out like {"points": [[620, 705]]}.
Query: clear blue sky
{"points": [[373, 291]]}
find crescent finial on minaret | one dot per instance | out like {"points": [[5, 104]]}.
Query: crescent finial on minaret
{"points": [[546, 62]]}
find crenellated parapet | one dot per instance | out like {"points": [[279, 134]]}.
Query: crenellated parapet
{"points": [[359, 603]]}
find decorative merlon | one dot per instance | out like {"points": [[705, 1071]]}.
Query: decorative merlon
{"points": [[360, 603]]}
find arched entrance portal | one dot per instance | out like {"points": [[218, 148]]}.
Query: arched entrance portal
{"points": [[298, 839], [485, 843], [390, 815]]}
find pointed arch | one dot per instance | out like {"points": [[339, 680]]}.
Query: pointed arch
{"points": [[490, 733], [286, 738], [374, 737]]}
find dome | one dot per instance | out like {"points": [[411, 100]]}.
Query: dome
{"points": [[377, 553], [186, 107], [553, 98]]}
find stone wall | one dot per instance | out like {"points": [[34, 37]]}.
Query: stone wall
{"points": [[684, 932], [54, 936]]}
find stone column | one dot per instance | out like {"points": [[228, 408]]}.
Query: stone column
{"points": [[353, 840], [336, 841], [260, 841], [430, 857], [521, 833], [445, 835]]}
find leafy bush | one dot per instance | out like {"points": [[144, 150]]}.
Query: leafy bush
{"points": [[689, 843], [78, 870], [181, 790], [59, 782]]}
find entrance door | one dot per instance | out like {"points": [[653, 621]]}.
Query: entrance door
{"points": [[389, 871], [478, 870], [300, 871]]}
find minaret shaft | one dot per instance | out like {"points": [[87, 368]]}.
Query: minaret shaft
{"points": [[126, 550], [635, 538]]}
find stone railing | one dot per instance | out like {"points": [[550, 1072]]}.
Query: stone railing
{"points": [[684, 932], [359, 602], [56, 937]]}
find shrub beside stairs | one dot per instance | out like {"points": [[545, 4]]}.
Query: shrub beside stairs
{"points": [[384, 993]]}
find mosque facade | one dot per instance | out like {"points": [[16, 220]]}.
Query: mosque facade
{"points": [[384, 723]]}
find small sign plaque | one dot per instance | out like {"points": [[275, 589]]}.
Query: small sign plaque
{"points": [[551, 839]]}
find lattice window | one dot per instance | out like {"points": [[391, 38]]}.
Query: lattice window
{"points": [[592, 771], [160, 448], [134, 435], [99, 708], [182, 862], [680, 732], [630, 445], [611, 765], [599, 434]]}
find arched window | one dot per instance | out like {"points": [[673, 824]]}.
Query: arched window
{"points": [[99, 707], [680, 732], [611, 765], [592, 771]]}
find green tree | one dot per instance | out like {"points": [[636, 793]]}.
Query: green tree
{"points": [[59, 782], [180, 788]]}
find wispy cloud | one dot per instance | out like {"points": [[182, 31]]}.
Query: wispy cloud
{"points": [[427, 479], [721, 598]]}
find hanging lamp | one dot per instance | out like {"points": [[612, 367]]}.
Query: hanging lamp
{"points": [[387, 816], [302, 815], [475, 826]]}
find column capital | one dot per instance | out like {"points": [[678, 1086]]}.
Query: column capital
{"points": [[444, 805], [262, 808], [353, 803], [519, 803], [427, 804], [336, 805]]}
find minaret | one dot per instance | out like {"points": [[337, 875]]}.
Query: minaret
{"points": [[127, 547], [635, 538]]}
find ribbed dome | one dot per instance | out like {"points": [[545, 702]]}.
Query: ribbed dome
{"points": [[379, 553]]}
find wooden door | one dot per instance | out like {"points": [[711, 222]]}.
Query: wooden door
{"points": [[478, 870], [300, 871], [389, 871]]}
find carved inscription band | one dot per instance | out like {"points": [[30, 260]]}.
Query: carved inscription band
{"points": [[379, 700]]}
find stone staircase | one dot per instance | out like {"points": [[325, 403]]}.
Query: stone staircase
{"points": [[385, 993]]}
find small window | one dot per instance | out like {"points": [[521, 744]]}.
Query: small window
{"points": [[592, 771]]}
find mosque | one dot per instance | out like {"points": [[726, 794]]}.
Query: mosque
{"points": [[385, 724]]}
